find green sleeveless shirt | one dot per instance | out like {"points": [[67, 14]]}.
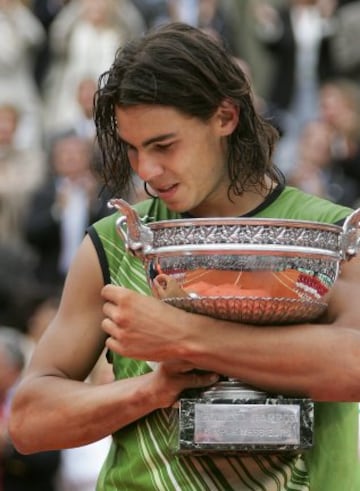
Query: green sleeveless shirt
{"points": [[140, 458]]}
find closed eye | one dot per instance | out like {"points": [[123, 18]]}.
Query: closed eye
{"points": [[161, 147]]}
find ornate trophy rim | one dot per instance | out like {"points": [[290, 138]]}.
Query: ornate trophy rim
{"points": [[268, 310]]}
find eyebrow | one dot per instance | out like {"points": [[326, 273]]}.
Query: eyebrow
{"points": [[155, 139]]}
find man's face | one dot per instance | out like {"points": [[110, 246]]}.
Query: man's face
{"points": [[181, 157]]}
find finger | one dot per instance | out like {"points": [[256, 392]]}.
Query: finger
{"points": [[177, 366], [159, 289], [113, 311], [125, 348], [108, 292], [112, 293], [114, 345], [196, 379], [110, 327]]}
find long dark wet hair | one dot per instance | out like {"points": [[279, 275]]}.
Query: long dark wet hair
{"points": [[180, 66]]}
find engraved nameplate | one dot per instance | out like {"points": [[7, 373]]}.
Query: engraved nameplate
{"points": [[247, 424]]}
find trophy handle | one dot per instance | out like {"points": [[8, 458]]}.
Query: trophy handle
{"points": [[136, 236], [351, 235]]}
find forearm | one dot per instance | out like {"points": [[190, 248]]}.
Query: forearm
{"points": [[316, 360], [51, 412], [320, 361]]}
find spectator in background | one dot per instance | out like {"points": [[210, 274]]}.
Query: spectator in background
{"points": [[63, 207], [247, 44], [154, 12], [316, 172], [260, 103], [297, 37], [12, 361], [83, 123], [45, 11], [35, 472], [184, 11], [208, 15], [310, 172], [340, 110], [19, 288], [21, 172], [21, 35], [84, 38], [41, 316], [346, 38]]}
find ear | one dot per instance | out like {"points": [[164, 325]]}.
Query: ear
{"points": [[227, 117]]}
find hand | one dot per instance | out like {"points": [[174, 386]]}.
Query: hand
{"points": [[141, 326], [165, 287], [172, 377]]}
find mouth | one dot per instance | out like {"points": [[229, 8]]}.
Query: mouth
{"points": [[164, 192]]}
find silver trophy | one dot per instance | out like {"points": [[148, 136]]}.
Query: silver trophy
{"points": [[251, 270]]}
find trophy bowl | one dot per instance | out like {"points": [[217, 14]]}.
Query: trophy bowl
{"points": [[252, 270]]}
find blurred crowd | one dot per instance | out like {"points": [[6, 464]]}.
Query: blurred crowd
{"points": [[303, 61]]}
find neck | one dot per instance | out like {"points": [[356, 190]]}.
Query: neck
{"points": [[235, 206]]}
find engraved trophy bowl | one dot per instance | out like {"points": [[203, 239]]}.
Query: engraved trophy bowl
{"points": [[260, 271]]}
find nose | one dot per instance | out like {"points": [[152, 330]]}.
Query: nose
{"points": [[147, 167]]}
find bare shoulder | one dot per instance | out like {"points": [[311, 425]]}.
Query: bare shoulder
{"points": [[73, 341]]}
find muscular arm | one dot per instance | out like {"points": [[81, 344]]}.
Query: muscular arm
{"points": [[317, 360], [53, 406]]}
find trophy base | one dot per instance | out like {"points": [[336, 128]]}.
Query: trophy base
{"points": [[229, 419]]}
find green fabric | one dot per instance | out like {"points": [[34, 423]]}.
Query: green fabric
{"points": [[333, 462], [140, 458]]}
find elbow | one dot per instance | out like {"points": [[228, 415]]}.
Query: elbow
{"points": [[19, 444], [18, 435], [21, 428]]}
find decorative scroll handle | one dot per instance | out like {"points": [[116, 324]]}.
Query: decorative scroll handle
{"points": [[137, 237], [351, 235]]}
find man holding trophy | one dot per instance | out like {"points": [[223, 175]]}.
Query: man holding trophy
{"points": [[177, 110]]}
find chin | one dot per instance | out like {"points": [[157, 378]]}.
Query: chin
{"points": [[178, 207]]}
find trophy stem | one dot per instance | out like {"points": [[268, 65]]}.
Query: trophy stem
{"points": [[232, 388]]}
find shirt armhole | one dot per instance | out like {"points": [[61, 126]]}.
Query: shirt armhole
{"points": [[104, 265]]}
